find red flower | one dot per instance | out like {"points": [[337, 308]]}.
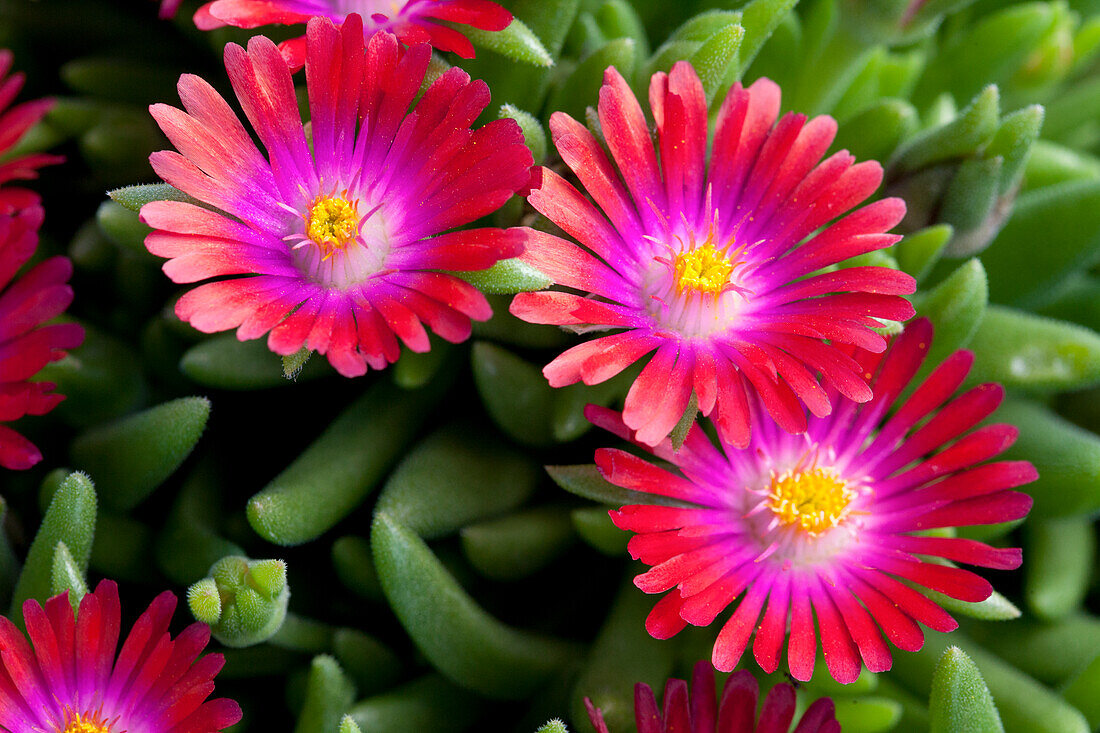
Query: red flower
{"points": [[25, 345], [14, 123], [831, 524], [735, 713], [713, 263], [412, 21], [68, 679]]}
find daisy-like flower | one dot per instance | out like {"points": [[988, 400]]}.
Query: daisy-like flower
{"points": [[14, 123], [834, 523], [67, 679], [340, 240], [734, 712], [412, 21], [26, 345], [712, 266]]}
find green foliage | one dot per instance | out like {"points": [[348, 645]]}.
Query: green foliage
{"points": [[70, 521], [244, 601], [960, 701], [131, 457]]}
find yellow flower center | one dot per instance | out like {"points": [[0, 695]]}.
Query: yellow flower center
{"points": [[815, 500], [704, 269], [332, 223], [91, 723]]}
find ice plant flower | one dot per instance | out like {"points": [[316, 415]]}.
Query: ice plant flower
{"points": [[168, 8], [340, 241], [412, 21], [712, 266], [26, 345], [67, 679], [14, 123], [837, 523], [735, 712]]}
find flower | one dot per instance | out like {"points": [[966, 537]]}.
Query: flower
{"points": [[411, 20], [339, 244], [832, 523], [168, 8], [67, 680], [736, 713], [14, 123], [713, 269], [25, 345]]}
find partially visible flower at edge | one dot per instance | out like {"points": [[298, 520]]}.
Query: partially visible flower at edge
{"points": [[14, 123], [707, 265], [410, 20], [26, 345], [341, 244], [67, 679], [168, 8], [834, 523], [734, 712]]}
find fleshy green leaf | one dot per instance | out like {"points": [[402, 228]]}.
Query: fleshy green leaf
{"points": [[66, 575], [517, 545], [225, 362], [329, 693], [517, 42], [1059, 565], [71, 518], [585, 480], [919, 252], [131, 457], [960, 701], [874, 133], [717, 59], [622, 655], [457, 636], [1030, 352], [1067, 458], [994, 608], [515, 393], [1053, 233], [867, 714], [956, 308], [431, 703], [134, 197], [975, 126], [582, 87], [533, 134], [1023, 703], [507, 277], [484, 479], [341, 467]]}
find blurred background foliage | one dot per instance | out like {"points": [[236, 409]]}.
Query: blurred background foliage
{"points": [[439, 578]]}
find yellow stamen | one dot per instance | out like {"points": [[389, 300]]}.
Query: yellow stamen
{"points": [[816, 500], [704, 269], [82, 724], [332, 223]]}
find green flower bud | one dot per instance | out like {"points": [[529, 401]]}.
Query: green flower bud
{"points": [[244, 601]]}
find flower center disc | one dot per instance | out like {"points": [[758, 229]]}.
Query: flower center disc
{"points": [[815, 501], [704, 269], [91, 723], [332, 223]]}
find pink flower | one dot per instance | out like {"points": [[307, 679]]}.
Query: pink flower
{"points": [[14, 123], [25, 344], [339, 242], [716, 268], [168, 8], [832, 523], [67, 678], [735, 712], [413, 21]]}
